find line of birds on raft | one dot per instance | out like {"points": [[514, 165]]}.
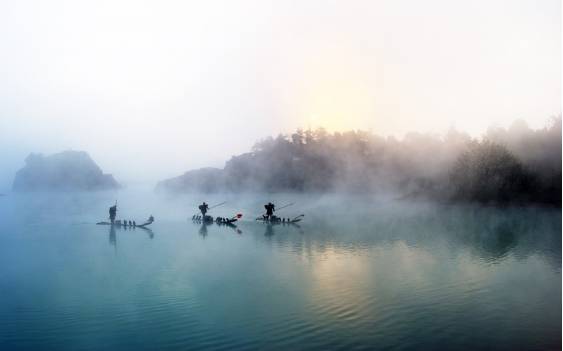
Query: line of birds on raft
{"points": [[268, 217]]}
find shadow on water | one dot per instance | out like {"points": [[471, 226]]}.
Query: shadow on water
{"points": [[113, 234]]}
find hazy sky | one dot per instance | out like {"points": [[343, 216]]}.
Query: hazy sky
{"points": [[153, 88]]}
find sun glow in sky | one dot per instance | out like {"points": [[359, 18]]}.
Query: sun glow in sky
{"points": [[334, 92], [180, 85]]}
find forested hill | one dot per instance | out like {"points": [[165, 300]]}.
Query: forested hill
{"points": [[517, 164]]}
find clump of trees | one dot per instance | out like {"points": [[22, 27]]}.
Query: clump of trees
{"points": [[354, 161], [505, 165], [489, 172]]}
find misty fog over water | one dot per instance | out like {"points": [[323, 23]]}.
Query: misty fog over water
{"points": [[412, 151], [358, 271]]}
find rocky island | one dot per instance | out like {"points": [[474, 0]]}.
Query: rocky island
{"points": [[64, 171]]}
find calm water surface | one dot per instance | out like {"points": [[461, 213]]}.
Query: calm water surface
{"points": [[356, 274]]}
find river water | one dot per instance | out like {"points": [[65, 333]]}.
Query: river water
{"points": [[356, 273]]}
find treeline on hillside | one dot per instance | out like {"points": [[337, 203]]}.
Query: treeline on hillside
{"points": [[517, 164]]}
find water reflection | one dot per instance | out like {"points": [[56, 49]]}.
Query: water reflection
{"points": [[298, 227], [269, 230], [203, 230], [231, 226], [113, 235], [149, 232], [272, 228], [488, 234], [392, 277]]}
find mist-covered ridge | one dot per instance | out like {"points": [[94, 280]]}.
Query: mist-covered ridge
{"points": [[513, 165]]}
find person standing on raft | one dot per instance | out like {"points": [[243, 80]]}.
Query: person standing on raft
{"points": [[270, 208], [203, 208], [112, 213]]}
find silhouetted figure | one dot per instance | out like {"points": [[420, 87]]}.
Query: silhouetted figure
{"points": [[112, 213], [270, 208], [203, 208], [130, 223]]}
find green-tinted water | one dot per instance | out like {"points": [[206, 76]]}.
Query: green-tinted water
{"points": [[354, 275]]}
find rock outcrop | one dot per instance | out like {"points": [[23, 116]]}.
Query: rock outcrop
{"points": [[64, 171]]}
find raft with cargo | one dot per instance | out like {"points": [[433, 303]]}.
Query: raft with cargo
{"points": [[218, 220], [280, 220], [125, 223]]}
